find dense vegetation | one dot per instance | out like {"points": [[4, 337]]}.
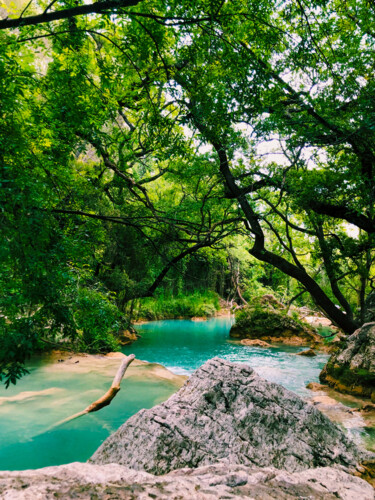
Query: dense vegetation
{"points": [[159, 146]]}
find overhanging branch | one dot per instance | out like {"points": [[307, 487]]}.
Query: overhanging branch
{"points": [[46, 17]]}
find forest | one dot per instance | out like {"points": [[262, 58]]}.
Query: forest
{"points": [[188, 196], [153, 150]]}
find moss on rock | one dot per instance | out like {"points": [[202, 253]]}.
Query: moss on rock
{"points": [[267, 319], [352, 369]]}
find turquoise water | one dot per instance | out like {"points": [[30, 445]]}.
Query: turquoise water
{"points": [[54, 391], [184, 345], [51, 393]]}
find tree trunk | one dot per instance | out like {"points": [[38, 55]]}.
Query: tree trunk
{"points": [[347, 324]]}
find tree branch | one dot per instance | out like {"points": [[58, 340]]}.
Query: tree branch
{"points": [[106, 399], [46, 17]]}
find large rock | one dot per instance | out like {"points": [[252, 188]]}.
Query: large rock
{"points": [[219, 481], [267, 319], [226, 412], [352, 369]]}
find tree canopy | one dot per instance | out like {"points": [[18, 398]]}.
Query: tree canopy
{"points": [[137, 133]]}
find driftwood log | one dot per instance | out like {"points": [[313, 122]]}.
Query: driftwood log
{"points": [[106, 399]]}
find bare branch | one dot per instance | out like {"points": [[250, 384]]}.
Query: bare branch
{"points": [[106, 399]]}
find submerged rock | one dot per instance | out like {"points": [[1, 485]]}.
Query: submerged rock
{"points": [[219, 481], [352, 369], [310, 353], [226, 412], [267, 319], [314, 386], [255, 343]]}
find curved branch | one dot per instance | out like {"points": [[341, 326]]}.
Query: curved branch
{"points": [[46, 17]]}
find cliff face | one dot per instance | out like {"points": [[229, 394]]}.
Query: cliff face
{"points": [[226, 412], [352, 369]]}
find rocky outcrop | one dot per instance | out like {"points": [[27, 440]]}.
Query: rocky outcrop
{"points": [[128, 336], [219, 481], [352, 369], [226, 412], [267, 319]]}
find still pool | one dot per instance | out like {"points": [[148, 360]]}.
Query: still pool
{"points": [[184, 345]]}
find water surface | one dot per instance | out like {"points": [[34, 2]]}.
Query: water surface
{"points": [[184, 345], [54, 391]]}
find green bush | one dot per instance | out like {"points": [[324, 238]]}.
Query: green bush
{"points": [[327, 333], [267, 316], [97, 319]]}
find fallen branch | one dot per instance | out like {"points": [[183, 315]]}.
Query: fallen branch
{"points": [[106, 399]]}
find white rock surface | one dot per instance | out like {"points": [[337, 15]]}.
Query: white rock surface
{"points": [[218, 481]]}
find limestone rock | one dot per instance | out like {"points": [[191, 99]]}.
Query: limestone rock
{"points": [[317, 321], [314, 386], [128, 336], [218, 481], [352, 369], [226, 412]]}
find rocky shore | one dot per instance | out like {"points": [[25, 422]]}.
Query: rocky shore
{"points": [[213, 482]]}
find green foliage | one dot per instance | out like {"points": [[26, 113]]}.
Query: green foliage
{"points": [[96, 319], [327, 333], [163, 306], [113, 148], [266, 316], [16, 343]]}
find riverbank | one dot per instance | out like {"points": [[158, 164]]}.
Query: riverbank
{"points": [[221, 313], [198, 305]]}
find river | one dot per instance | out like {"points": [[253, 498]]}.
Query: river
{"points": [[55, 390]]}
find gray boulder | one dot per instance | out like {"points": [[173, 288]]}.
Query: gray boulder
{"points": [[219, 481], [226, 412], [352, 369]]}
